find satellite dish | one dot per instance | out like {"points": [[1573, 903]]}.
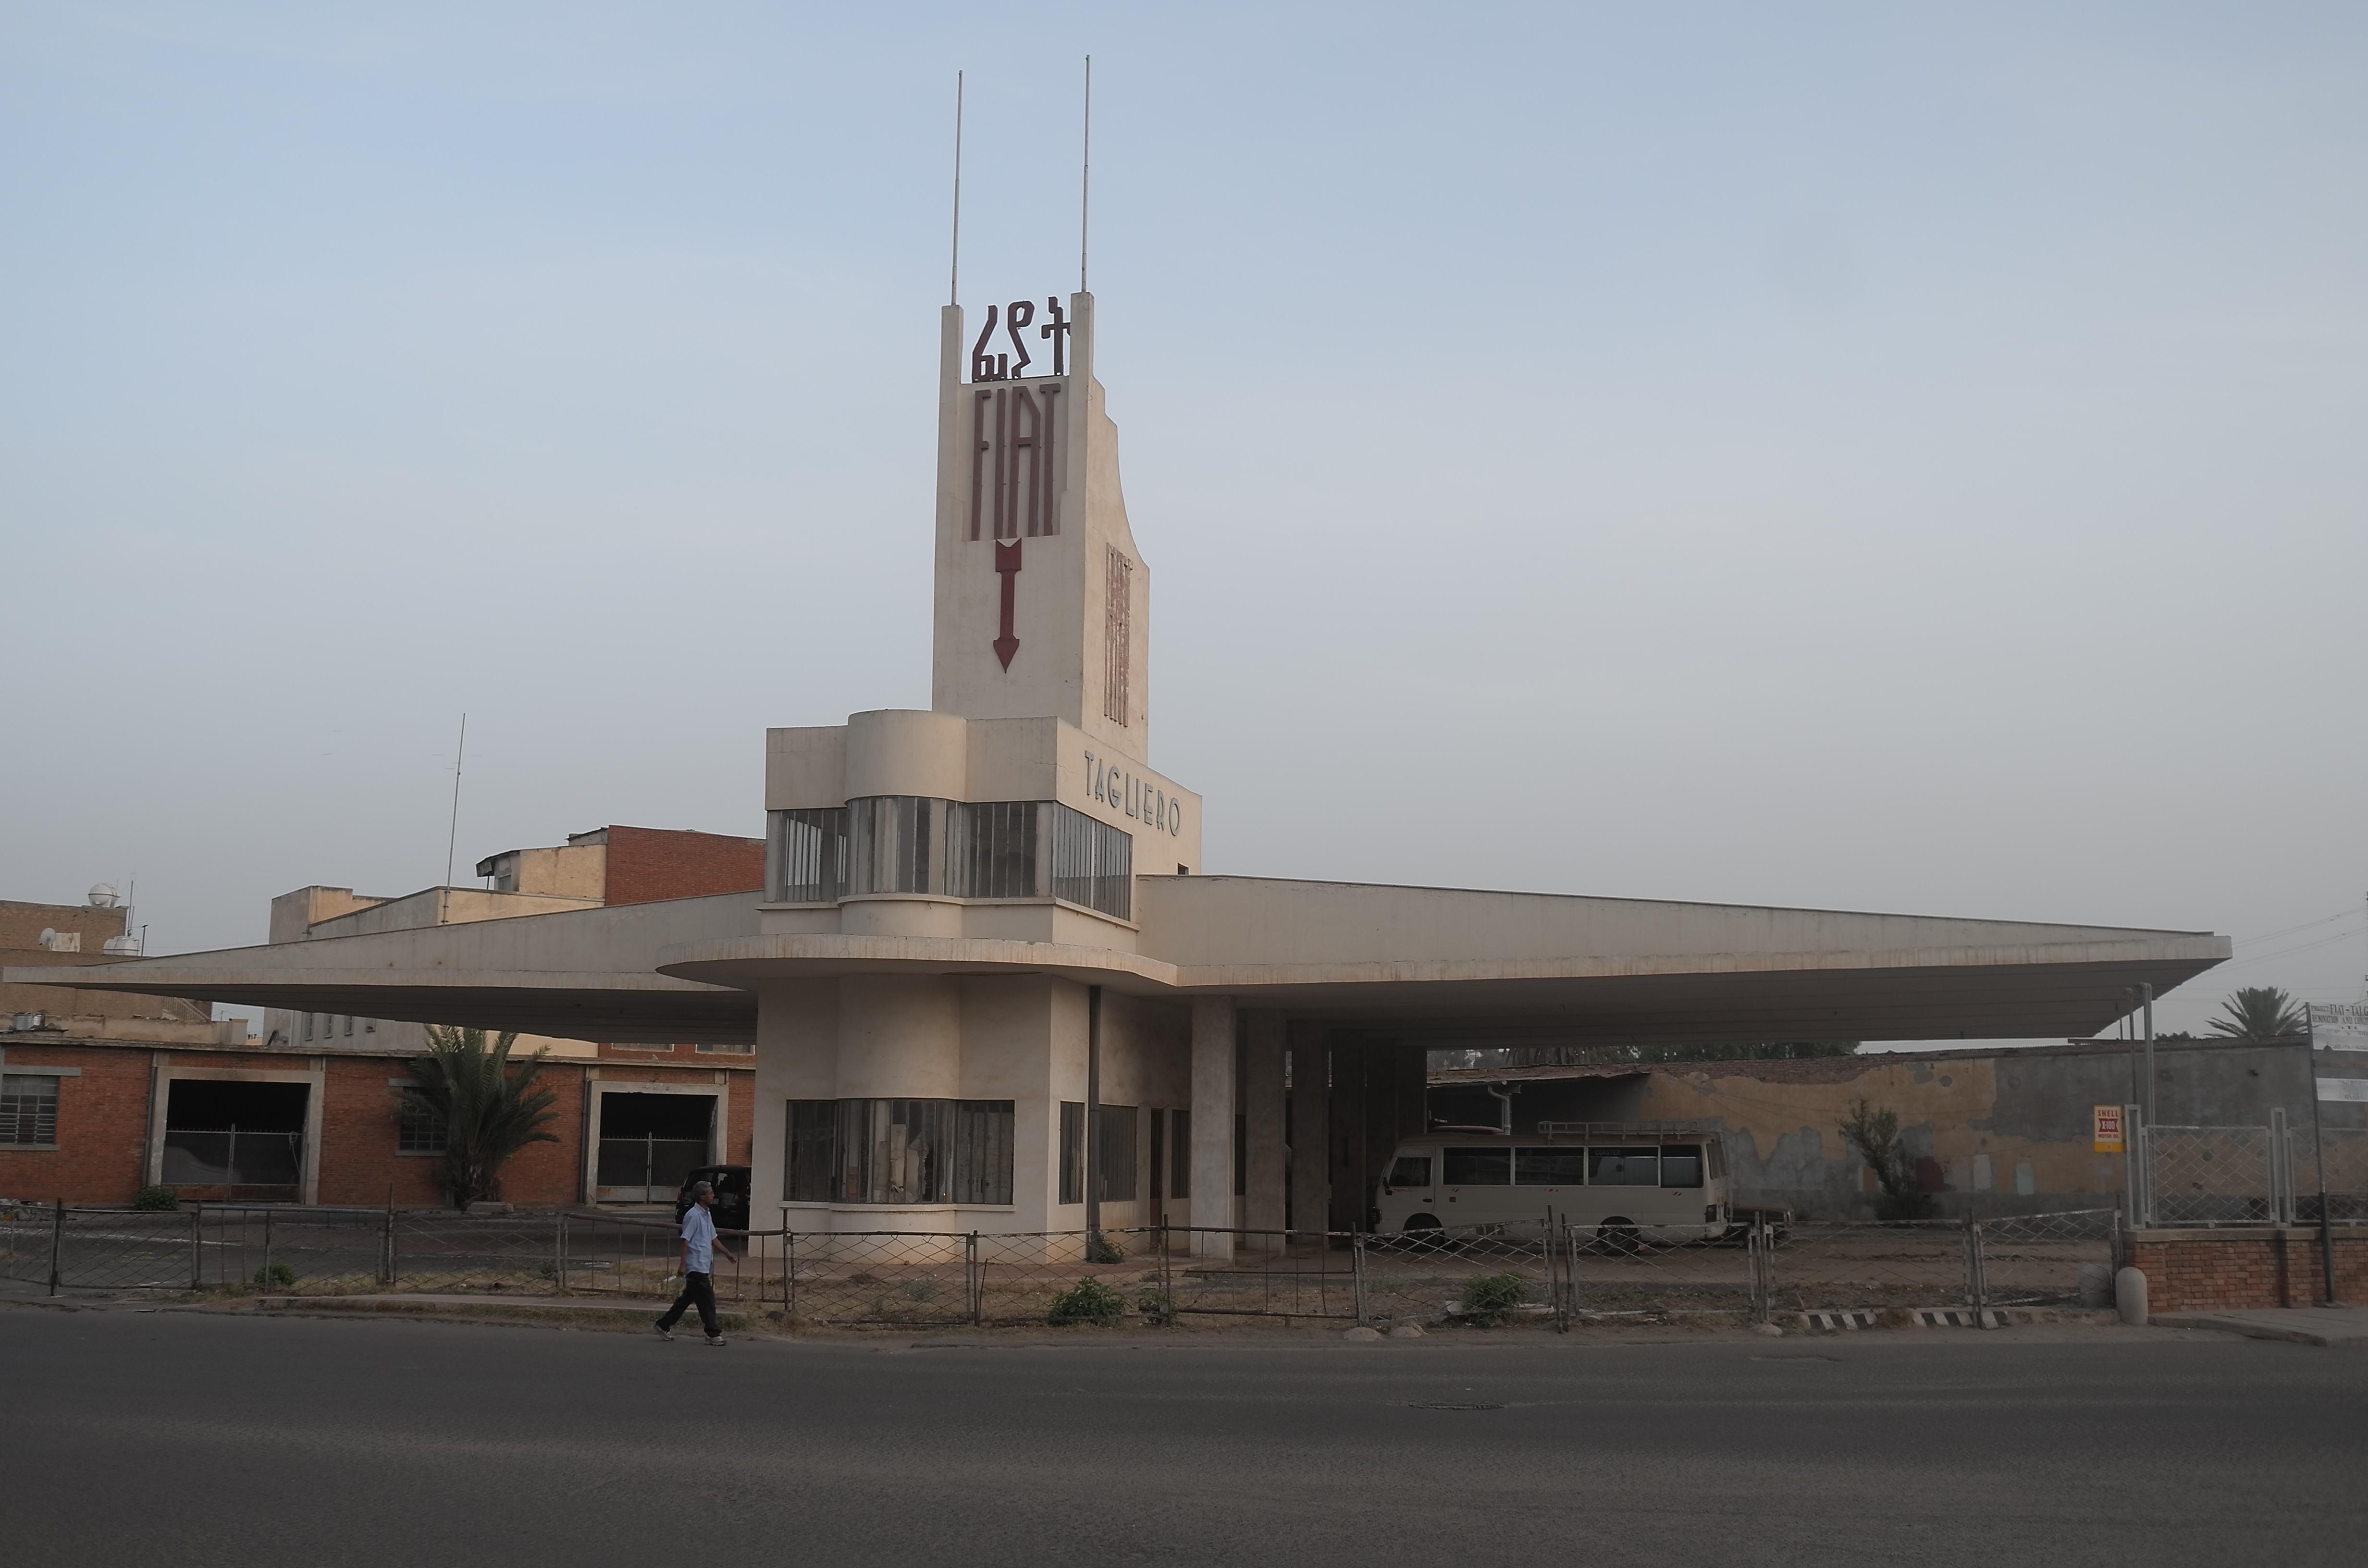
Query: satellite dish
{"points": [[104, 897], [122, 946], [48, 935]]}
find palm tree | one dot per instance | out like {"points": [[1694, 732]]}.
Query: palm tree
{"points": [[1873, 1132], [489, 1110], [2261, 1012]]}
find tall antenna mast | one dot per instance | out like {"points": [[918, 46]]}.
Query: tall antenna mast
{"points": [[1086, 178], [452, 842], [953, 289]]}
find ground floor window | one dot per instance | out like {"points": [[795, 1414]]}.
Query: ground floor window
{"points": [[245, 1137], [650, 1142], [28, 1108], [884, 1150], [417, 1132], [1115, 1147], [1180, 1136], [1073, 1152]]}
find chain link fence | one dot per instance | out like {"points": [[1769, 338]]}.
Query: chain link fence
{"points": [[2211, 1176], [1563, 1274]]}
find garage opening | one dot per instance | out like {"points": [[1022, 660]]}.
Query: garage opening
{"points": [[235, 1142], [649, 1143]]}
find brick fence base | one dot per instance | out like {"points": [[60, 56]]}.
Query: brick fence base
{"points": [[2274, 1265]]}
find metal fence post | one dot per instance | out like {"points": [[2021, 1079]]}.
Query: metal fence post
{"points": [[264, 1276], [973, 1280], [1977, 1284], [1560, 1264], [2137, 1150], [1762, 1271], [197, 1246], [57, 1242], [789, 1273], [1357, 1265], [2280, 1192], [559, 1253]]}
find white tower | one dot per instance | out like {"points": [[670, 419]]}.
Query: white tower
{"points": [[1042, 599]]}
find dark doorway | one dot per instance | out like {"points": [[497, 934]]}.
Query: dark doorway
{"points": [[649, 1143], [235, 1142]]}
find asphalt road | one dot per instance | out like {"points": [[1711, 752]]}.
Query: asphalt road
{"points": [[172, 1438]]}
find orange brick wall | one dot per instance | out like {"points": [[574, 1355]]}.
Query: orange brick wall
{"points": [[648, 864], [102, 1129], [2250, 1269], [103, 1114]]}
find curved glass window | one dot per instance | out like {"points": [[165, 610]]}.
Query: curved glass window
{"points": [[981, 849], [881, 1151], [808, 855], [1093, 863]]}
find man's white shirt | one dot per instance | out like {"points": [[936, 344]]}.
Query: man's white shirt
{"points": [[698, 1241]]}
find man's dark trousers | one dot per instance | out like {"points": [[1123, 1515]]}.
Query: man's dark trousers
{"points": [[698, 1291]]}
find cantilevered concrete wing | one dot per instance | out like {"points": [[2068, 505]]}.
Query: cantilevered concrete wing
{"points": [[581, 975], [1500, 966], [1565, 968]]}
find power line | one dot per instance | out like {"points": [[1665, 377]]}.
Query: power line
{"points": [[2273, 936]]}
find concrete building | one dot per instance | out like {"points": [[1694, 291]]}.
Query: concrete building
{"points": [[989, 984], [592, 870], [62, 938], [1991, 1132], [104, 1092]]}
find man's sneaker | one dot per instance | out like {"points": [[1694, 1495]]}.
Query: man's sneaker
{"points": [[663, 1330], [715, 1339]]}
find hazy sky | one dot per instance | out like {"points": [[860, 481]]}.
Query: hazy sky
{"points": [[1893, 457]]}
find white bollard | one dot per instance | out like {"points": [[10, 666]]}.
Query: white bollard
{"points": [[2130, 1295]]}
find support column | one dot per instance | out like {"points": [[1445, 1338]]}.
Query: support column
{"points": [[1311, 1130], [1262, 1201], [1212, 1128]]}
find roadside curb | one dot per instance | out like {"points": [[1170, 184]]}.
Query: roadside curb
{"points": [[2260, 1325]]}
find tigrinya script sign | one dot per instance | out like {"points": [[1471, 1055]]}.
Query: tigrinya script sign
{"points": [[2339, 1026]]}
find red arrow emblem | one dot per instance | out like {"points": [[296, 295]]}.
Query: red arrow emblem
{"points": [[1006, 566]]}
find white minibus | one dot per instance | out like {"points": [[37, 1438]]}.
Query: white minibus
{"points": [[1629, 1181]]}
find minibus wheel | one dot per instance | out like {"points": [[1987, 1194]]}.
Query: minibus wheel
{"points": [[1620, 1236]]}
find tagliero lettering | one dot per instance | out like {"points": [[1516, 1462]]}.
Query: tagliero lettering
{"points": [[1137, 798]]}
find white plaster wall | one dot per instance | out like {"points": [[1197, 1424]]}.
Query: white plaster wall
{"points": [[805, 769], [894, 751], [899, 1037]]}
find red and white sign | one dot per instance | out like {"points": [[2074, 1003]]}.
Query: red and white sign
{"points": [[2109, 1129]]}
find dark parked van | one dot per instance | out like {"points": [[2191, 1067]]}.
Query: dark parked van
{"points": [[731, 1195]]}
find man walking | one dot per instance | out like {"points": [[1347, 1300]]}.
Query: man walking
{"points": [[698, 1245]]}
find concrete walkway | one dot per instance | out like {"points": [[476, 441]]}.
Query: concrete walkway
{"points": [[2303, 1325]]}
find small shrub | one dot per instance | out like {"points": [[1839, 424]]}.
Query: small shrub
{"points": [[1101, 1249], [156, 1198], [1487, 1298], [1088, 1300], [275, 1277], [863, 1280], [924, 1288], [1156, 1306]]}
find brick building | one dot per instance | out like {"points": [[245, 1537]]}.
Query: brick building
{"points": [[94, 1121], [102, 1094]]}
